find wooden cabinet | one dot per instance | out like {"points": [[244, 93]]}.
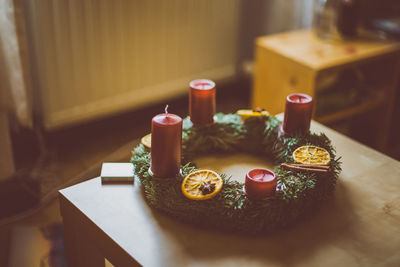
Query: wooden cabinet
{"points": [[299, 61]]}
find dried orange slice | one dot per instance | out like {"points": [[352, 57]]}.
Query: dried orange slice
{"points": [[201, 184], [311, 155], [146, 140], [247, 113]]}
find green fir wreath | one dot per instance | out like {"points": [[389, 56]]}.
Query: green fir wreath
{"points": [[298, 193]]}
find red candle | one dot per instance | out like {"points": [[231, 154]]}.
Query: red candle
{"points": [[298, 112], [260, 183], [166, 141], [202, 102]]}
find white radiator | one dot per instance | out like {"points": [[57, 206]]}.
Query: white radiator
{"points": [[95, 57]]}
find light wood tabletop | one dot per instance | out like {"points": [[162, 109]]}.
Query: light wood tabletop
{"points": [[305, 47], [359, 226]]}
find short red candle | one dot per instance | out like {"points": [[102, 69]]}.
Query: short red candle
{"points": [[202, 102], [260, 183], [298, 112], [166, 142]]}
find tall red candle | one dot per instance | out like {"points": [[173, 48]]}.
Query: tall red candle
{"points": [[298, 112], [166, 142], [202, 102], [260, 183]]}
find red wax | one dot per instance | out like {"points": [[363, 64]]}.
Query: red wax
{"points": [[260, 183], [202, 102], [166, 141], [298, 112]]}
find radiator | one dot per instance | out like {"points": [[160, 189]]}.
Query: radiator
{"points": [[93, 58]]}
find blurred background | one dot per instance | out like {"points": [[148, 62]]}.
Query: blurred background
{"points": [[81, 80]]}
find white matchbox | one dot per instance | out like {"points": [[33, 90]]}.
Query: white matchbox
{"points": [[117, 172]]}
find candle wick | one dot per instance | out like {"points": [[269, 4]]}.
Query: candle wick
{"points": [[166, 110], [300, 98]]}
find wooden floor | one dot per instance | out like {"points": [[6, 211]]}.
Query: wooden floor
{"points": [[48, 215]]}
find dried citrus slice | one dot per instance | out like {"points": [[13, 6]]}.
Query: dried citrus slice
{"points": [[201, 184], [146, 140], [311, 155], [247, 113]]}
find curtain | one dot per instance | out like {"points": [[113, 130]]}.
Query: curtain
{"points": [[262, 17], [288, 15], [13, 87]]}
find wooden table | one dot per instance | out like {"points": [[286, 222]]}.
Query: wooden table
{"points": [[360, 226]]}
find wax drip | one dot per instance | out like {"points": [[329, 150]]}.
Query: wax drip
{"points": [[166, 110]]}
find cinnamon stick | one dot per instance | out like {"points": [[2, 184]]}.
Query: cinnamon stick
{"points": [[293, 167], [309, 166]]}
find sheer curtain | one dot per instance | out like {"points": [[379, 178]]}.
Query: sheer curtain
{"points": [[13, 88], [288, 15], [262, 17]]}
